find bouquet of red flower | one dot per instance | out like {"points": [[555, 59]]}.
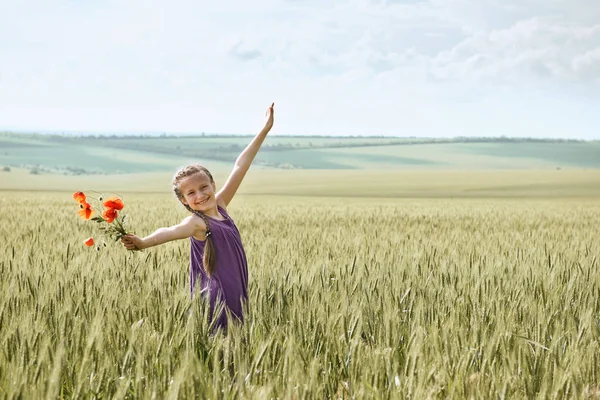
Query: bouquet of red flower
{"points": [[112, 221]]}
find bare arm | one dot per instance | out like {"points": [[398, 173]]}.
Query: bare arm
{"points": [[190, 226], [243, 162]]}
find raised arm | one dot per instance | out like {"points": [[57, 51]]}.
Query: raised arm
{"points": [[242, 164], [190, 226]]}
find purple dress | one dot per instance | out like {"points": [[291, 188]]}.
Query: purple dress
{"points": [[229, 283]]}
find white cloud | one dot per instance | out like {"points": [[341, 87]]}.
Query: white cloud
{"points": [[588, 65], [530, 49], [241, 51]]}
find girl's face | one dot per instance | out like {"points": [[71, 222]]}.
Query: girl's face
{"points": [[198, 192]]}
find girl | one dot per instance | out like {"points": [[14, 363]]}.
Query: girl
{"points": [[217, 254]]}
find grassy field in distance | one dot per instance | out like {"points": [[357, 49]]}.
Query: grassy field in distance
{"points": [[521, 155], [125, 154], [342, 183]]}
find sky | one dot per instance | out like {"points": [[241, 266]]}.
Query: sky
{"points": [[435, 68]]}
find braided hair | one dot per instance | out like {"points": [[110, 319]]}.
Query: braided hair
{"points": [[209, 259]]}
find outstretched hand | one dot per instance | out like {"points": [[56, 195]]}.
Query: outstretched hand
{"points": [[132, 242], [270, 116]]}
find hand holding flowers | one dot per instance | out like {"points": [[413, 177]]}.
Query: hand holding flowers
{"points": [[112, 223]]}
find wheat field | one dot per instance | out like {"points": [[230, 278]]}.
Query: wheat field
{"points": [[349, 298]]}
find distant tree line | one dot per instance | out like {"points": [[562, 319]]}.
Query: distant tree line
{"points": [[395, 139]]}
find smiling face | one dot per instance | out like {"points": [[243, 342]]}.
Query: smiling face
{"points": [[198, 192]]}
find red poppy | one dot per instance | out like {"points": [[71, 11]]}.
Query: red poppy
{"points": [[79, 197], [114, 202], [85, 211], [89, 242], [109, 215]]}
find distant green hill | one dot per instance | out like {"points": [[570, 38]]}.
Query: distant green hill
{"points": [[131, 154]]}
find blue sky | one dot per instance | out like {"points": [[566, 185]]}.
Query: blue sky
{"points": [[519, 68]]}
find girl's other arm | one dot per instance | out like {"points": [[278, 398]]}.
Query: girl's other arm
{"points": [[190, 226], [242, 164]]}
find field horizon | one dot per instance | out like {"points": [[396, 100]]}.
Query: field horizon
{"points": [[575, 183], [101, 155]]}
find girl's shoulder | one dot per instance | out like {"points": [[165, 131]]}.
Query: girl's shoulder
{"points": [[196, 224]]}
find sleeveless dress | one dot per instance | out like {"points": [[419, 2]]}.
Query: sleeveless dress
{"points": [[229, 283]]}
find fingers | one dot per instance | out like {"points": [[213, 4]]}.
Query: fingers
{"points": [[271, 110], [128, 243]]}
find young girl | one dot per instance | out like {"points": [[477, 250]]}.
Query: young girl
{"points": [[217, 254]]}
